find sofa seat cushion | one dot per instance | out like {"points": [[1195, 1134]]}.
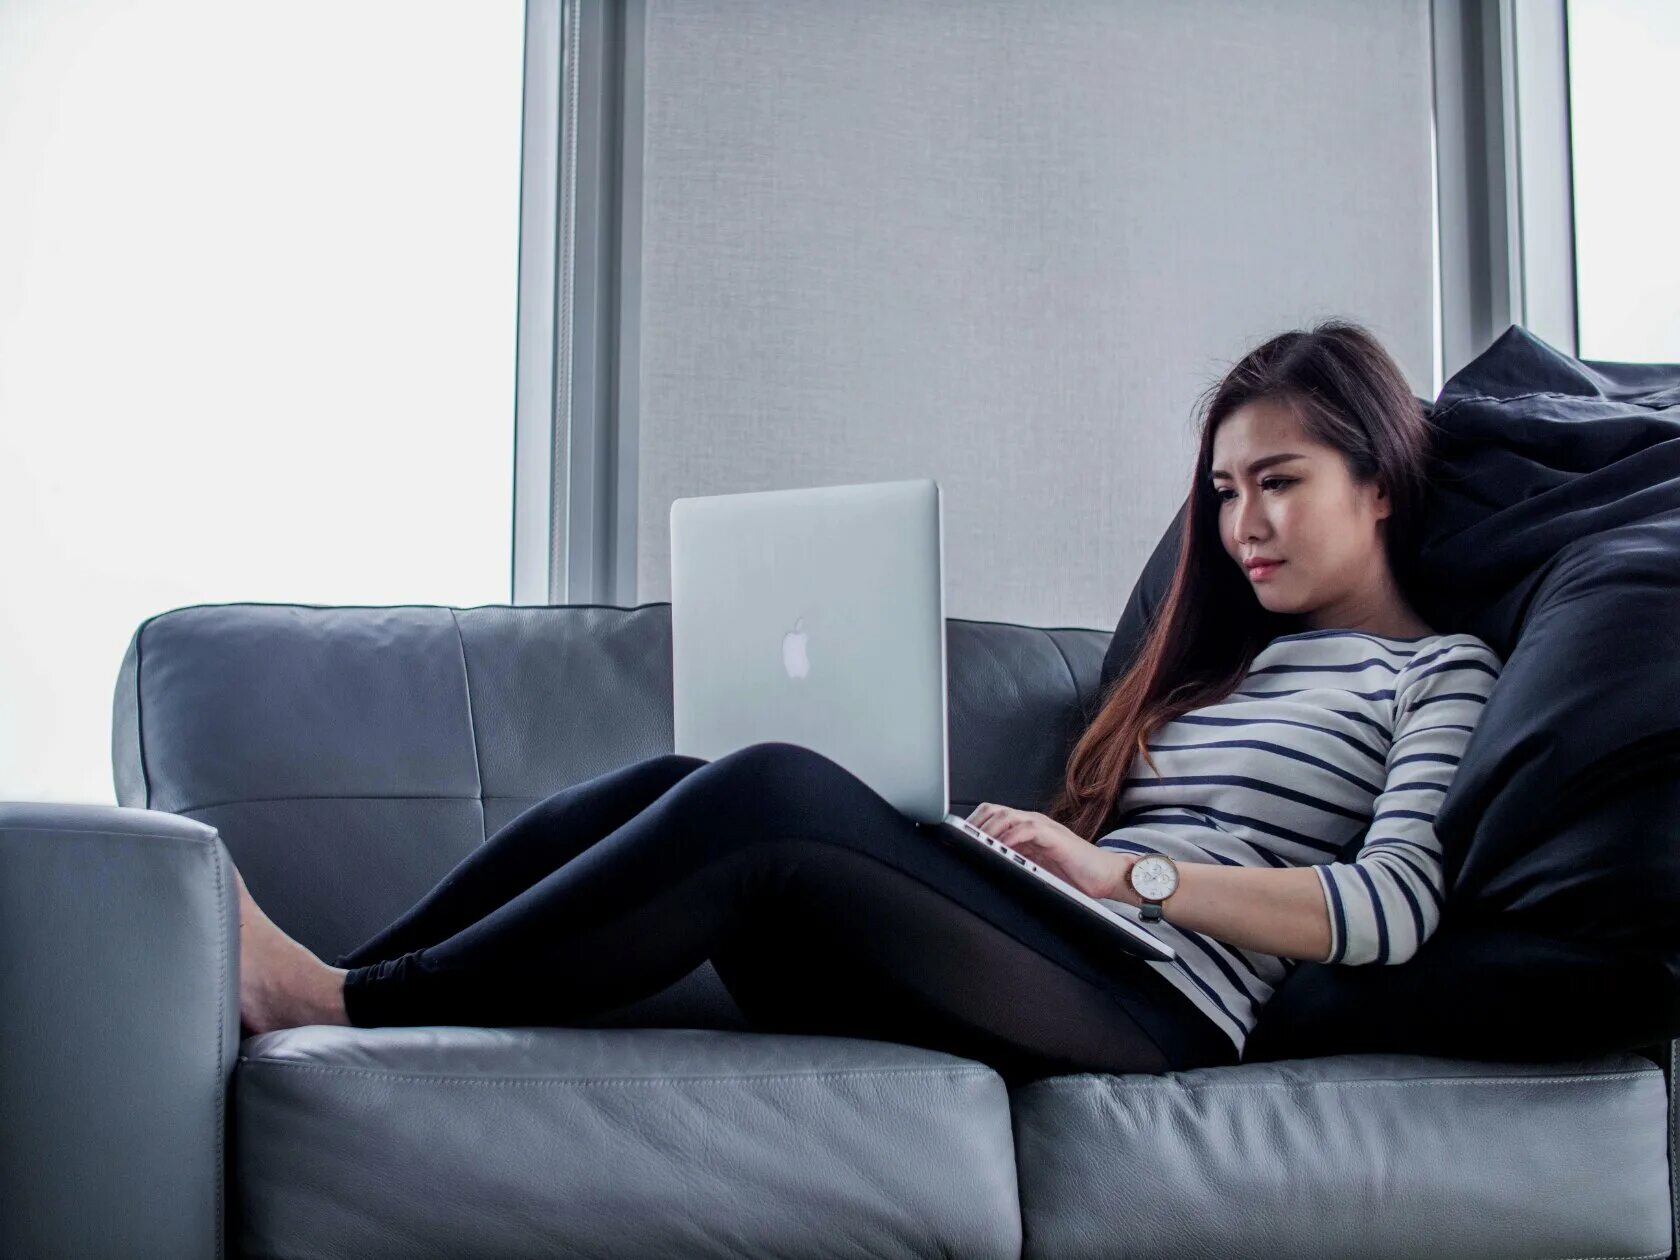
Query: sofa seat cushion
{"points": [[1352, 1155], [463, 1142]]}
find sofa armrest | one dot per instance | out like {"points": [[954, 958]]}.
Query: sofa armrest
{"points": [[119, 1026]]}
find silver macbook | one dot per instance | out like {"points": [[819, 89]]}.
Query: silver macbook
{"points": [[816, 616]]}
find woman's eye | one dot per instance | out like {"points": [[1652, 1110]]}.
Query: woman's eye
{"points": [[1280, 482]]}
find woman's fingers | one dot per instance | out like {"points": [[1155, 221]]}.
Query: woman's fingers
{"points": [[1005, 824]]}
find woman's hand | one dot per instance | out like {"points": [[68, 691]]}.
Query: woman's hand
{"points": [[1095, 872]]}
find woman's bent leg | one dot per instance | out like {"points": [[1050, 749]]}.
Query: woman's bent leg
{"points": [[546, 836], [825, 907]]}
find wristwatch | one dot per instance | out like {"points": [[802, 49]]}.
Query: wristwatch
{"points": [[1154, 877]]}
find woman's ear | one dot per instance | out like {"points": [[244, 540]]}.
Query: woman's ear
{"points": [[1382, 503]]}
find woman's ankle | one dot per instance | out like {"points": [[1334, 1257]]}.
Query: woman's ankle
{"points": [[329, 999]]}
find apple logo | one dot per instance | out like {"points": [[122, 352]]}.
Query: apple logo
{"points": [[793, 651]]}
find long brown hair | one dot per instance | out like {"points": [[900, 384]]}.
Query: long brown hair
{"points": [[1347, 392]]}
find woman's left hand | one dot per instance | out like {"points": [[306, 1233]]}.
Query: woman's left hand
{"points": [[1095, 872]]}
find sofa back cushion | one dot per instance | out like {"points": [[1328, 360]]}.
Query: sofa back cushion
{"points": [[350, 756]]}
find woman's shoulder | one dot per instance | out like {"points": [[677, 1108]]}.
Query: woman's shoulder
{"points": [[1456, 645], [1457, 669], [1415, 663]]}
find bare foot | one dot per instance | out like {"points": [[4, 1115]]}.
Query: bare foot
{"points": [[281, 984]]}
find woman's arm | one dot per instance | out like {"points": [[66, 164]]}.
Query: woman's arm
{"points": [[1389, 898], [1273, 910]]}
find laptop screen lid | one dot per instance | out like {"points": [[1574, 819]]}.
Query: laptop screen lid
{"points": [[816, 616]]}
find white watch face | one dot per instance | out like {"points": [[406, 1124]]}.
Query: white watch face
{"points": [[1154, 877]]}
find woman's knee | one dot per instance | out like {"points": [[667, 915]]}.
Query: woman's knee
{"points": [[772, 751], [678, 764], [780, 789], [649, 778], [777, 765]]}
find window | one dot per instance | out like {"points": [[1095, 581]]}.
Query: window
{"points": [[258, 304], [1624, 121]]}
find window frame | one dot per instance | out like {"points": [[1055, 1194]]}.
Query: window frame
{"points": [[1504, 179]]}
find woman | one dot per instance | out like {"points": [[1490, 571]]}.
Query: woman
{"points": [[1286, 699]]}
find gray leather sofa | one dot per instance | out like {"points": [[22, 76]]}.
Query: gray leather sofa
{"points": [[347, 757]]}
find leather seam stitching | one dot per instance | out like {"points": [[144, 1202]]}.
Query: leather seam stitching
{"points": [[348, 796], [1636, 1074], [139, 709], [1673, 1181], [666, 1079], [545, 610], [1073, 683], [221, 1016], [150, 837], [472, 727]]}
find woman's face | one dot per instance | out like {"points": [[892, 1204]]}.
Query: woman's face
{"points": [[1307, 512]]}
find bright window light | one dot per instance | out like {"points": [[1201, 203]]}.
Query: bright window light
{"points": [[1625, 123], [258, 271]]}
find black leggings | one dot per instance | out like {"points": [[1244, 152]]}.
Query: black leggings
{"points": [[822, 908]]}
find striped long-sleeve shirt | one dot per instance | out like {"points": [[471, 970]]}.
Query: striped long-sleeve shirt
{"points": [[1332, 732]]}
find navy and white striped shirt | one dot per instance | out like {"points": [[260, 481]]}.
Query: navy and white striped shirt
{"points": [[1331, 732]]}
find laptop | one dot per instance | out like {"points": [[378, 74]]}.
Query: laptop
{"points": [[816, 616]]}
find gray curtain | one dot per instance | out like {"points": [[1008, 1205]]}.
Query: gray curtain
{"points": [[1007, 245]]}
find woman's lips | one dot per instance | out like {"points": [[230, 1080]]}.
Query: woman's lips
{"points": [[1260, 572]]}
